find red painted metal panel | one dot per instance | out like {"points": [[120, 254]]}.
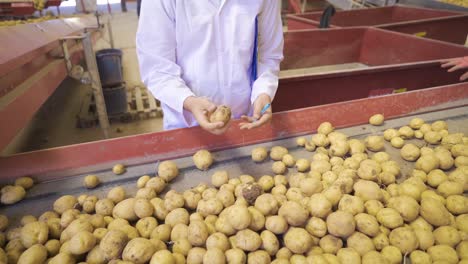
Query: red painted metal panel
{"points": [[440, 25], [306, 91], [370, 46], [60, 162], [295, 23], [380, 16], [451, 29]]}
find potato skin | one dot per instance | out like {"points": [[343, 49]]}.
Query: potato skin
{"points": [[341, 224], [113, 243], [221, 114], [138, 250], [34, 254], [34, 233], [12, 194], [298, 240], [203, 159], [82, 242]]}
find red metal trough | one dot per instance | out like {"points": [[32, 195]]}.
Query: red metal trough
{"points": [[435, 24]]}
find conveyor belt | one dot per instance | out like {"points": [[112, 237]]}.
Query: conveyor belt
{"points": [[236, 161]]}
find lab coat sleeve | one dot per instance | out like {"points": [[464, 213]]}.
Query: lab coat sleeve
{"points": [[156, 50], [270, 50]]}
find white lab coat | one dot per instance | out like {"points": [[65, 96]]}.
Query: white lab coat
{"points": [[197, 48]]}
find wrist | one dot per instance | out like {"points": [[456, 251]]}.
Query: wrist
{"points": [[189, 102]]}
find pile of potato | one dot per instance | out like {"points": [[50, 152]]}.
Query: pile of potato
{"points": [[348, 203]]}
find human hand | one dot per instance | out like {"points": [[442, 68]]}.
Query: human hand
{"points": [[457, 64], [201, 108], [258, 119]]}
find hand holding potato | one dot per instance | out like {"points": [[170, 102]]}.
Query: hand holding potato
{"points": [[202, 108]]}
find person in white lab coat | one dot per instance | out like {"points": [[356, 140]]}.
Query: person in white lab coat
{"points": [[197, 54]]}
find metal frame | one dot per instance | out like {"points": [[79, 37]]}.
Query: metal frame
{"points": [[42, 60]]}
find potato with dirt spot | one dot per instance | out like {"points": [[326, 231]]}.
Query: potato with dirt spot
{"points": [[270, 242], [406, 206], [89, 204], [209, 207], [146, 225], [119, 169], [404, 239], [330, 244], [389, 218], [320, 140], [293, 213], [221, 114], [367, 190], [416, 123], [197, 233], [367, 224], [116, 194], [203, 159], [195, 255], [104, 207], [12, 194], [138, 251], [266, 204], [320, 206], [248, 240], [351, 204], [376, 120], [177, 216], [298, 240], [113, 243], [369, 170], [259, 154], [157, 184], [278, 167], [34, 233], [360, 242], [390, 133], [457, 204]]}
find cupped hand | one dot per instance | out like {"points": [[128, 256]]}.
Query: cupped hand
{"points": [[201, 108], [257, 120]]}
